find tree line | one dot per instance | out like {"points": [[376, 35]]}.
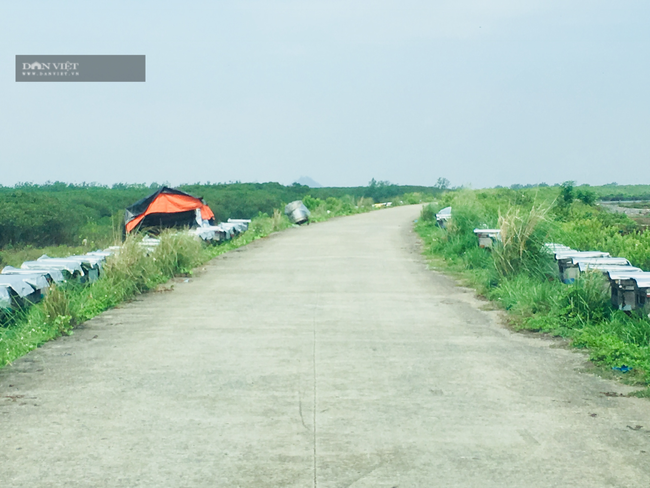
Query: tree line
{"points": [[60, 213]]}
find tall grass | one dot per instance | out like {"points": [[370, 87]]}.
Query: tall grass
{"points": [[177, 253], [428, 212], [336, 207], [519, 276], [278, 220], [523, 234]]}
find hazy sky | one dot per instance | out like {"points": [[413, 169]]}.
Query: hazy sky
{"points": [[483, 93]]}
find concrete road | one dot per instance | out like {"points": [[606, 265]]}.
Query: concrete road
{"points": [[324, 356]]}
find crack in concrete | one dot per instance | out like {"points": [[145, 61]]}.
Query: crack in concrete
{"points": [[302, 418]]}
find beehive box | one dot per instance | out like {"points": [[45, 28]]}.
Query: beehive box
{"points": [[487, 237]]}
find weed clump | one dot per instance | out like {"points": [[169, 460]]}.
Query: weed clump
{"points": [[177, 254], [428, 213], [521, 249]]}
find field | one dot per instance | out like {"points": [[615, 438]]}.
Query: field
{"points": [[610, 192]]}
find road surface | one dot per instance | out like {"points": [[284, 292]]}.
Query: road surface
{"points": [[322, 356]]}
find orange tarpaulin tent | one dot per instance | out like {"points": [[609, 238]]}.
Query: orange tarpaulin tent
{"points": [[166, 207]]}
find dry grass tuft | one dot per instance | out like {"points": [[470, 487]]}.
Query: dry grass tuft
{"points": [[522, 237], [277, 219]]}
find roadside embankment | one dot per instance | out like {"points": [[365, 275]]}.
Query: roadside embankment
{"points": [[134, 270], [521, 277]]}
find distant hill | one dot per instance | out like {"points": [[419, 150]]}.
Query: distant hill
{"points": [[307, 181]]}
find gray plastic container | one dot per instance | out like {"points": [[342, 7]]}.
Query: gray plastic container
{"points": [[297, 212]]}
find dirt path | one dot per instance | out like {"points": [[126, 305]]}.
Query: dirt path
{"points": [[322, 356]]}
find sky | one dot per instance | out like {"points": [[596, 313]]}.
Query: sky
{"points": [[480, 92]]}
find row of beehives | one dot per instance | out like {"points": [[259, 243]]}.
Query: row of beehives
{"points": [[629, 286], [28, 284], [20, 287], [223, 231]]}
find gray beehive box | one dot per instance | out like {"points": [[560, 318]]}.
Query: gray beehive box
{"points": [[487, 237], [297, 212]]}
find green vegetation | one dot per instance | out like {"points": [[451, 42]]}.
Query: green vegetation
{"points": [[125, 275], [639, 205], [621, 192], [523, 279], [132, 272], [33, 217], [611, 191]]}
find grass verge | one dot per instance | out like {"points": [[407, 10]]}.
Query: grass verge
{"points": [[520, 278], [129, 273]]}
